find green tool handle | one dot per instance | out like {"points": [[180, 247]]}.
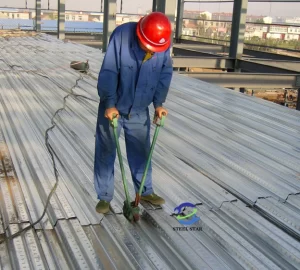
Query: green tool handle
{"points": [[158, 125], [115, 125]]}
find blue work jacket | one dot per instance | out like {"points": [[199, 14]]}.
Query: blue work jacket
{"points": [[124, 81]]}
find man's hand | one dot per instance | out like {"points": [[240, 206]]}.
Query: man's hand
{"points": [[109, 113], [159, 111]]}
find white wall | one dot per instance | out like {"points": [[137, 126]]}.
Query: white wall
{"points": [[18, 15], [292, 37], [294, 30], [76, 17], [189, 31], [208, 15], [254, 33], [268, 20]]}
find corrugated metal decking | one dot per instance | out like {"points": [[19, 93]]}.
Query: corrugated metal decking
{"points": [[236, 156]]}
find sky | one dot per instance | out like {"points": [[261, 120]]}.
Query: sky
{"points": [[134, 6]]}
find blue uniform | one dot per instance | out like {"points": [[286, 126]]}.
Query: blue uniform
{"points": [[130, 85]]}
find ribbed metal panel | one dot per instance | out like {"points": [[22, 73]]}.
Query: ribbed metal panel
{"points": [[264, 237], [280, 212], [294, 200], [218, 149], [234, 141], [25, 250], [35, 171]]}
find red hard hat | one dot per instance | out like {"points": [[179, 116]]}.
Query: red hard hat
{"points": [[154, 31]]}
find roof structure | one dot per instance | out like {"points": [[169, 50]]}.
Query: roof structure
{"points": [[236, 156]]}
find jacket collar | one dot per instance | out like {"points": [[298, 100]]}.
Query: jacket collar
{"points": [[136, 47], [138, 51]]}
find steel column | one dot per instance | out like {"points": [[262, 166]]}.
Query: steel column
{"points": [[298, 101], [179, 16], [168, 7], [154, 5], [109, 21], [161, 5], [61, 19], [38, 15], [238, 29]]}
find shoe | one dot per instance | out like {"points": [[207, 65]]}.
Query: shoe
{"points": [[153, 199], [102, 207]]}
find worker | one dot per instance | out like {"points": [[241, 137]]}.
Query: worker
{"points": [[136, 72]]}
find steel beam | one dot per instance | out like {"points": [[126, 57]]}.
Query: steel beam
{"points": [[201, 46], [257, 66], [203, 62], [179, 16], [61, 19], [288, 65], [238, 29], [263, 67], [248, 65], [109, 21], [38, 15], [215, 48], [248, 80], [183, 52], [228, 63], [268, 55]]}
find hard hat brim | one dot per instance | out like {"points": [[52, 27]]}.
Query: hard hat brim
{"points": [[146, 43]]}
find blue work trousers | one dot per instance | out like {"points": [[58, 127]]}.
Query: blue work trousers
{"points": [[137, 139]]}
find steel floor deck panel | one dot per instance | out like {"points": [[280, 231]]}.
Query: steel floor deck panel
{"points": [[235, 156]]}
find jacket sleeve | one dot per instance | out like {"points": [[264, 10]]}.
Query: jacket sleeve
{"points": [[109, 73], [164, 82]]}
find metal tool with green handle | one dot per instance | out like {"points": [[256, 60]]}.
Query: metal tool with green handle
{"points": [[138, 195], [131, 210], [128, 211]]}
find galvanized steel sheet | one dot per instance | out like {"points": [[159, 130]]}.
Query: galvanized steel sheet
{"points": [[236, 157]]}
